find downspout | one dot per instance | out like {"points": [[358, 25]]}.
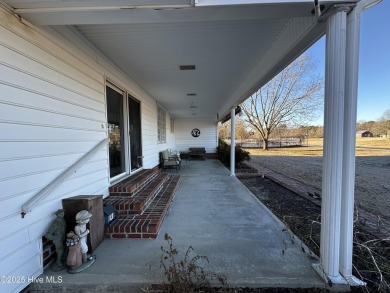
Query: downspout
{"points": [[61, 178]]}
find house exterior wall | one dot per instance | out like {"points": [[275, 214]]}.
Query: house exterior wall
{"points": [[53, 110], [208, 137]]}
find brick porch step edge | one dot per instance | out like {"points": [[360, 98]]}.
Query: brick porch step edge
{"points": [[131, 185], [149, 223], [139, 202]]}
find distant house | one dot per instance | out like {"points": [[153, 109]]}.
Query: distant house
{"points": [[364, 133]]}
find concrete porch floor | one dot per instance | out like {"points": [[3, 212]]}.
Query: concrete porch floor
{"points": [[217, 215]]}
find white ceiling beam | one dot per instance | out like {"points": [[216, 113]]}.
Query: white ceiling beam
{"points": [[75, 16], [96, 8]]}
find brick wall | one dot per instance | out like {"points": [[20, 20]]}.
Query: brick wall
{"points": [[49, 252]]}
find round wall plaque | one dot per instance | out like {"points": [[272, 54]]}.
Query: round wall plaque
{"points": [[195, 132]]}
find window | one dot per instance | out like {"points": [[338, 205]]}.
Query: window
{"points": [[161, 131], [172, 125]]}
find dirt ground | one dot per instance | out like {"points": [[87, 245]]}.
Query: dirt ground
{"points": [[372, 183]]}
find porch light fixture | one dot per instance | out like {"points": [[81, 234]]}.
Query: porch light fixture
{"points": [[237, 110], [187, 67], [317, 10]]}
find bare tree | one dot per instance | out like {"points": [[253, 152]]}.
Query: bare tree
{"points": [[242, 129], [386, 115], [384, 124], [224, 130], [293, 97]]}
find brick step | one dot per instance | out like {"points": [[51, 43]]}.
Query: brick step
{"points": [[133, 184], [149, 223], [138, 203]]}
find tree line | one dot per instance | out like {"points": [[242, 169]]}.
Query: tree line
{"points": [[244, 130]]}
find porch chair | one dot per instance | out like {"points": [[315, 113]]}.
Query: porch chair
{"points": [[168, 161], [174, 154]]}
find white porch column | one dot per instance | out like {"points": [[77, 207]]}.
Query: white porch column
{"points": [[350, 109], [233, 141], [348, 177], [333, 145]]}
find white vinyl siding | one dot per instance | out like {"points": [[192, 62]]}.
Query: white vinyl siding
{"points": [[53, 111], [207, 138]]}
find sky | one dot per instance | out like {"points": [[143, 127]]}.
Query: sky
{"points": [[374, 64]]}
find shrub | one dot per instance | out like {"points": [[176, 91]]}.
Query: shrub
{"points": [[187, 275], [223, 151]]}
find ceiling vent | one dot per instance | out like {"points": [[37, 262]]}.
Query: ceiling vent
{"points": [[187, 67]]}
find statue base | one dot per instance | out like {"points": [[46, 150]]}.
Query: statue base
{"points": [[56, 268], [85, 265]]}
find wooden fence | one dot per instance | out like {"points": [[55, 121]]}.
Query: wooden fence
{"points": [[272, 143]]}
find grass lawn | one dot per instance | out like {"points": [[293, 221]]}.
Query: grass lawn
{"points": [[370, 146]]}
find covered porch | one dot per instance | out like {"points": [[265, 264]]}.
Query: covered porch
{"points": [[221, 219], [186, 65]]}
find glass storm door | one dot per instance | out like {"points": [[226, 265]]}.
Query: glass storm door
{"points": [[115, 131], [135, 133]]}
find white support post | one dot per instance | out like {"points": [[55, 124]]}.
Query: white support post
{"points": [[348, 178], [333, 145], [232, 141]]}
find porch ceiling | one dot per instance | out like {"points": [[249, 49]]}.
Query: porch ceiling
{"points": [[235, 48]]}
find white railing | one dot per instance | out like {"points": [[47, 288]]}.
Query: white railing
{"points": [[27, 207]]}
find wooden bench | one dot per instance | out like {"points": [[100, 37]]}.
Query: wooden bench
{"points": [[197, 152]]}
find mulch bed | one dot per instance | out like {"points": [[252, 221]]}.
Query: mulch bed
{"points": [[294, 210]]}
